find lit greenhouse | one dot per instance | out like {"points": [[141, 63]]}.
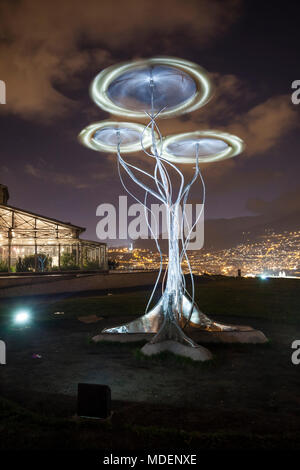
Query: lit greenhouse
{"points": [[32, 242]]}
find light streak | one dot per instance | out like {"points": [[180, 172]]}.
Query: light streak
{"points": [[101, 83], [87, 136], [184, 146]]}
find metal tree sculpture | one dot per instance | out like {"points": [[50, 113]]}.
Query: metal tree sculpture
{"points": [[161, 88]]}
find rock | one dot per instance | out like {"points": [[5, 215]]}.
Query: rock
{"points": [[196, 354]]}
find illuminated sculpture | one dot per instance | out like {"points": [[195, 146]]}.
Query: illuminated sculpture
{"points": [[161, 88]]}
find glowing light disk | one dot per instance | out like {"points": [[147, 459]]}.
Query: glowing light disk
{"points": [[131, 88], [104, 136], [172, 87], [212, 146]]}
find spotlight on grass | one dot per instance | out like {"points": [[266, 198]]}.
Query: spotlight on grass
{"points": [[21, 317]]}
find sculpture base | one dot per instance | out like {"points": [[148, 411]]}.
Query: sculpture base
{"points": [[196, 354], [194, 322], [243, 334], [190, 316]]}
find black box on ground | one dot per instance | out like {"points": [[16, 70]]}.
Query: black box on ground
{"points": [[93, 401]]}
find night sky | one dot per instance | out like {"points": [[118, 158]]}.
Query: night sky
{"points": [[51, 50]]}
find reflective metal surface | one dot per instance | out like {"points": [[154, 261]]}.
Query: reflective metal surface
{"points": [[152, 321]]}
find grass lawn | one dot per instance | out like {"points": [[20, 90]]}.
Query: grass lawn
{"points": [[275, 300], [247, 397]]}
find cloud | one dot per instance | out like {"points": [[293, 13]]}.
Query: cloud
{"points": [[90, 175], [265, 124], [56, 177], [48, 42], [4, 170], [261, 126], [286, 203]]}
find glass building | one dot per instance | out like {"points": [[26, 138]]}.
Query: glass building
{"points": [[32, 242]]}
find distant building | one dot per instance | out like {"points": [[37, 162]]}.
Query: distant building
{"points": [[26, 235]]}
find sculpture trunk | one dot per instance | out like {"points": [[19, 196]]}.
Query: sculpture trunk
{"points": [[172, 298]]}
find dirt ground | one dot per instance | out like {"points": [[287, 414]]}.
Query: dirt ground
{"points": [[246, 388]]}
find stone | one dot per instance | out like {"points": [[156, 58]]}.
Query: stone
{"points": [[196, 354]]}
